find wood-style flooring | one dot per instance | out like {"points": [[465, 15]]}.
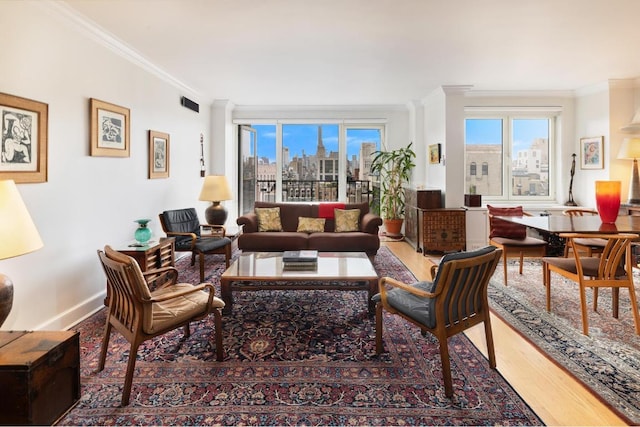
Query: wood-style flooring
{"points": [[556, 397]]}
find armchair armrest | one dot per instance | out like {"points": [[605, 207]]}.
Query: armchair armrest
{"points": [[249, 222], [183, 292], [398, 284], [192, 236], [370, 223]]}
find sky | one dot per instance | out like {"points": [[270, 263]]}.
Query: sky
{"points": [[297, 137], [489, 131]]}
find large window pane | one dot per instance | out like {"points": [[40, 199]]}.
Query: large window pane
{"points": [[530, 165], [483, 156]]}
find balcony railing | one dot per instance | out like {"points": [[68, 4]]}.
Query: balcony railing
{"points": [[313, 191]]}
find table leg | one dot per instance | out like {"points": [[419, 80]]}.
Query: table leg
{"points": [[226, 295]]}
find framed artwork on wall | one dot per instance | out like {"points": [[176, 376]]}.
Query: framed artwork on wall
{"points": [[158, 155], [110, 126], [23, 153], [592, 152], [434, 153]]}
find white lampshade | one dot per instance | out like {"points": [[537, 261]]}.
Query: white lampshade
{"points": [[630, 149], [215, 189], [18, 234]]}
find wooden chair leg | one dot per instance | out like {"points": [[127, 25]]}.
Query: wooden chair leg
{"points": [[187, 331], [379, 346], [583, 307], [128, 379], [634, 307], [217, 316], [193, 259], [105, 345], [504, 265], [546, 281], [615, 301], [521, 261], [489, 337], [446, 367], [201, 256], [227, 255]]}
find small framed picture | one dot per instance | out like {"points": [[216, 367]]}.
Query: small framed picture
{"points": [[158, 155], [110, 127], [434, 153], [592, 153], [23, 153]]}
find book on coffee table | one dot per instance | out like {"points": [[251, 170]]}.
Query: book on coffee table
{"points": [[300, 266], [305, 256]]}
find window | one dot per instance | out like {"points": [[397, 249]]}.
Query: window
{"points": [[517, 150], [307, 162]]}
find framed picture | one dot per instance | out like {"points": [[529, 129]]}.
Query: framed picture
{"points": [[434, 153], [110, 125], [158, 155], [592, 153], [23, 153]]}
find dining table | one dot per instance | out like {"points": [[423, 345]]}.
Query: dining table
{"points": [[551, 226]]}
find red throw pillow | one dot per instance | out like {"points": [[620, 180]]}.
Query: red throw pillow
{"points": [[500, 228], [325, 210]]}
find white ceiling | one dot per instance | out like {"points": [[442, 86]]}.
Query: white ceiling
{"points": [[330, 52]]}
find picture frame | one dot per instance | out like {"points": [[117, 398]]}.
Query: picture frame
{"points": [[592, 152], [24, 139], [434, 153], [159, 153], [110, 129]]}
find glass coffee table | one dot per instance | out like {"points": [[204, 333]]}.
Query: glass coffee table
{"points": [[254, 271]]}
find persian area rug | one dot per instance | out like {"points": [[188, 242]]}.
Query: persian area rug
{"points": [[293, 358], [607, 361]]}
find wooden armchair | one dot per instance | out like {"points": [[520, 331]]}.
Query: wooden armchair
{"points": [[612, 269], [184, 225], [140, 314], [512, 238], [456, 300]]}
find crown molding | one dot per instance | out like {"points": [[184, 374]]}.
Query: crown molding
{"points": [[84, 25], [520, 94]]}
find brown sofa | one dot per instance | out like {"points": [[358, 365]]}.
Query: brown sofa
{"points": [[364, 240]]}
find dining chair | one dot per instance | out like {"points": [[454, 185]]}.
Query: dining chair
{"points": [[184, 225], [589, 245], [140, 314], [512, 238], [612, 269], [454, 301]]}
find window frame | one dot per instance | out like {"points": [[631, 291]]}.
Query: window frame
{"points": [[508, 115]]}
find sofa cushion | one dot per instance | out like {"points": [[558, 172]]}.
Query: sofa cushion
{"points": [[354, 241], [274, 241], [347, 220], [310, 225], [269, 219], [500, 228]]}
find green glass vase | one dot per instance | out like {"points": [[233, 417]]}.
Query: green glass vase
{"points": [[143, 233]]}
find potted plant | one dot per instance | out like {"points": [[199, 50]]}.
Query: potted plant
{"points": [[394, 170]]}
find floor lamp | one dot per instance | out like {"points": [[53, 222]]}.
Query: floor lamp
{"points": [[215, 189], [18, 236], [630, 149]]}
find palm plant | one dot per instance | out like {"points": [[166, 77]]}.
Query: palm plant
{"points": [[394, 169]]}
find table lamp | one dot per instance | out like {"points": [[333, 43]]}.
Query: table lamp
{"points": [[630, 149], [18, 236], [215, 189]]}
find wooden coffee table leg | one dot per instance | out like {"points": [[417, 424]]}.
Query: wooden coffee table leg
{"points": [[373, 289], [226, 295]]}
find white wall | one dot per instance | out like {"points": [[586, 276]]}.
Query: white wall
{"points": [[88, 201]]}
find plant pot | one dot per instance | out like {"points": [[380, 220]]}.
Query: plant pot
{"points": [[393, 227]]}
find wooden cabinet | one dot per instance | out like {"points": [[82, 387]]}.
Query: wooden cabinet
{"points": [[39, 375], [444, 230], [415, 200], [156, 255]]}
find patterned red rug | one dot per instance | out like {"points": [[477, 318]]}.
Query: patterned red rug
{"points": [[293, 358]]}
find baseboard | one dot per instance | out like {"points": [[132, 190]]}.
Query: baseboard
{"points": [[69, 318]]}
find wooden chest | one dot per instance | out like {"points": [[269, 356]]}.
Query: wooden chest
{"points": [[39, 375], [415, 200], [444, 230]]}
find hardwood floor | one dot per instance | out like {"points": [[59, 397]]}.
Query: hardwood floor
{"points": [[556, 397]]}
